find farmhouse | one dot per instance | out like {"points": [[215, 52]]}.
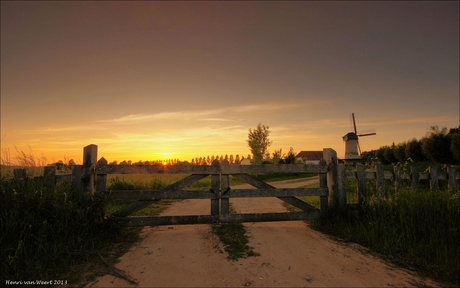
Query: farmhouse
{"points": [[310, 157]]}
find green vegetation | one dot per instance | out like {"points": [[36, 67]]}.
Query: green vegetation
{"points": [[41, 234], [415, 229], [235, 241], [438, 146]]}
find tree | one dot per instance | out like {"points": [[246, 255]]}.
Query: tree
{"points": [[436, 145], [290, 158], [259, 142], [414, 151], [277, 155]]}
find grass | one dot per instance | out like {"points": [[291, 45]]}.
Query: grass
{"points": [[235, 240], [418, 230], [41, 234]]}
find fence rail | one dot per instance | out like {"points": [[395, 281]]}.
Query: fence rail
{"points": [[91, 176]]}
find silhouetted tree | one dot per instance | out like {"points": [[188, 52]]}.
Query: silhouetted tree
{"points": [[290, 158], [436, 145], [259, 142]]}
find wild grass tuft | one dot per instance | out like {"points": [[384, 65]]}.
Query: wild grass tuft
{"points": [[235, 241]]}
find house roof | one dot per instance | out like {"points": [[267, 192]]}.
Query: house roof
{"points": [[310, 155]]}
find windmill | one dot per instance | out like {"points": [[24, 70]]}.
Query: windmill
{"points": [[352, 149]]}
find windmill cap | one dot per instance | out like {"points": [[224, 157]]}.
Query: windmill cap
{"points": [[350, 136]]}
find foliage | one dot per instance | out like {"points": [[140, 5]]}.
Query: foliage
{"points": [[437, 146], [290, 158], [259, 142], [277, 155]]}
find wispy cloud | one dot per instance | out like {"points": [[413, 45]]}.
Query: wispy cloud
{"points": [[203, 115]]}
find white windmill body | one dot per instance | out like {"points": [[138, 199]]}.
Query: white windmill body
{"points": [[352, 149]]}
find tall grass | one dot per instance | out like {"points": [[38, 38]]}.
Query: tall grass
{"points": [[42, 234], [416, 229]]}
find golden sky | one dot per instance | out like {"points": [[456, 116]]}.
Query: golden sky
{"points": [[152, 80]]}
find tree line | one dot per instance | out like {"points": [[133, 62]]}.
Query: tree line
{"points": [[439, 145]]}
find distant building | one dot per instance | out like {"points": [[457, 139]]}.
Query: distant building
{"points": [[246, 161], [310, 157]]}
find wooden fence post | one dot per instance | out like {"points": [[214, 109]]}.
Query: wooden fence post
{"points": [[89, 162], [19, 173], [380, 180], [50, 178], [76, 177], [397, 173], [330, 156], [415, 176], [341, 187], [215, 187], [322, 178], [101, 179], [224, 186], [434, 178], [361, 183], [452, 181]]}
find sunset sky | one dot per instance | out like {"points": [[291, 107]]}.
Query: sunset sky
{"points": [[155, 80]]}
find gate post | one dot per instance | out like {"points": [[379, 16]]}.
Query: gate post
{"points": [[224, 186], [89, 163], [215, 188], [330, 156]]}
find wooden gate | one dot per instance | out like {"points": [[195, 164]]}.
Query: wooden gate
{"points": [[219, 194]]}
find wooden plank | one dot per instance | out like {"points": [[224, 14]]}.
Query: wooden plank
{"points": [[341, 186], [50, 178], [270, 217], [265, 186], [149, 195], [397, 171], [380, 181], [89, 163], [330, 156], [452, 183], [322, 178], [361, 183], [127, 210], [157, 169], [274, 168], [215, 188], [388, 175], [434, 180], [77, 171], [167, 220], [296, 202], [274, 192], [225, 187]]}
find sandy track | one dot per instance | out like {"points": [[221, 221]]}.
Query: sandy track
{"points": [[291, 255]]}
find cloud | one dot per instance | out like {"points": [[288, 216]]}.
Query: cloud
{"points": [[202, 115]]}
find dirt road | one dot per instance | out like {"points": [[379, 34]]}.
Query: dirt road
{"points": [[291, 255]]}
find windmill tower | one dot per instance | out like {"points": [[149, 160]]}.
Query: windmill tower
{"points": [[352, 149]]}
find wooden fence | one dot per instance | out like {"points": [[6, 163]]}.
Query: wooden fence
{"points": [[92, 177]]}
